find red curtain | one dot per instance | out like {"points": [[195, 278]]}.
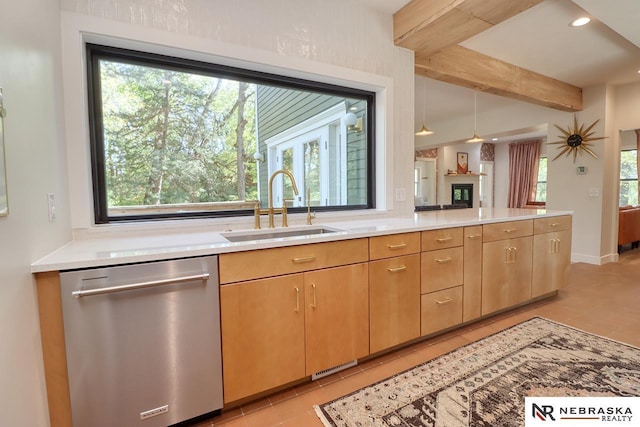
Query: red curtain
{"points": [[524, 158]]}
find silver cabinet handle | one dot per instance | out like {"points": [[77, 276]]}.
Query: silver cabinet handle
{"points": [[297, 310], [444, 239], [444, 260], [141, 285], [447, 300], [474, 236], [396, 269]]}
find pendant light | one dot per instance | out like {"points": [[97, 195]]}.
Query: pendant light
{"points": [[475, 138], [424, 131]]}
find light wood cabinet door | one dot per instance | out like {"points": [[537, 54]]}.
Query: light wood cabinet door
{"points": [[393, 245], [394, 301], [441, 238], [441, 269], [506, 273], [551, 262], [248, 265], [441, 310], [472, 290], [336, 316], [262, 334]]}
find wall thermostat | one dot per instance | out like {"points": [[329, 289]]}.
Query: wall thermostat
{"points": [[581, 170]]}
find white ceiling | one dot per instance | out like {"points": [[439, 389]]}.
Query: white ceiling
{"points": [[607, 50]]}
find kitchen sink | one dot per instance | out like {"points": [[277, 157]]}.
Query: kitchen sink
{"points": [[248, 235]]}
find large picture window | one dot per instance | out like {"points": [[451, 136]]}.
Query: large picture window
{"points": [[172, 138]]}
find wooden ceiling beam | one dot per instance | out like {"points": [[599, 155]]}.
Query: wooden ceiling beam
{"points": [[465, 67], [427, 26], [435, 28]]}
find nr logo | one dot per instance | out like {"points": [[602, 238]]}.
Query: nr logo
{"points": [[543, 412]]}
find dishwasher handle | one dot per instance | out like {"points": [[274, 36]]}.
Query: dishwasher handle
{"points": [[141, 285]]}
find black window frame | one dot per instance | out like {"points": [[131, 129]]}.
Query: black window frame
{"points": [[97, 52]]}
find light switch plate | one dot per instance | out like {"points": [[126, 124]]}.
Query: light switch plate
{"points": [[51, 202]]}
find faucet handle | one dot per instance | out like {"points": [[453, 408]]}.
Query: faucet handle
{"points": [[256, 215]]}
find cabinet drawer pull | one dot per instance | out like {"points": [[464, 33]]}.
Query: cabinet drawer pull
{"points": [[474, 236], [398, 246], [444, 239], [303, 259], [444, 260], [396, 269], [554, 224], [315, 301], [444, 301], [510, 230], [297, 300]]}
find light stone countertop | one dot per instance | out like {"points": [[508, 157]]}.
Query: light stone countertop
{"points": [[104, 251]]}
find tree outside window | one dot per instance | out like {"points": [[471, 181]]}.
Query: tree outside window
{"points": [[628, 178], [177, 138], [541, 185]]}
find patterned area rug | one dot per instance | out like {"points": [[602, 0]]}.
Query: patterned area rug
{"points": [[484, 383]]}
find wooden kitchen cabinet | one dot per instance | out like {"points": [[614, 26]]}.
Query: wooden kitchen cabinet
{"points": [[441, 310], [263, 342], [336, 316], [279, 329], [472, 275], [551, 254], [394, 301], [442, 275], [248, 265], [506, 273]]}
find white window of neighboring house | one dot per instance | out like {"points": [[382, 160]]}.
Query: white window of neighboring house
{"points": [[315, 152]]}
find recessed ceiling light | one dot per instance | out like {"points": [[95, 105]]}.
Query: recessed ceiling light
{"points": [[494, 139], [580, 21]]}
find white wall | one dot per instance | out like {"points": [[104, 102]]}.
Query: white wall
{"points": [[333, 41], [30, 74]]}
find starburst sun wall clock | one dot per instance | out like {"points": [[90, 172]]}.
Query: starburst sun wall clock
{"points": [[576, 140]]}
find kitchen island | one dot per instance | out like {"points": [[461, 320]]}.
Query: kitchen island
{"points": [[299, 307]]}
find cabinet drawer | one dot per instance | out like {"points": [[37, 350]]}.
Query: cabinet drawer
{"points": [[547, 225], [441, 310], [441, 269], [256, 264], [394, 245], [441, 239], [507, 230]]}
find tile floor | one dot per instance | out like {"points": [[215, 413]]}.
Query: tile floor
{"points": [[604, 300]]}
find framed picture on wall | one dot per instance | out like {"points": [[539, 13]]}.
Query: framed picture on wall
{"points": [[463, 162]]}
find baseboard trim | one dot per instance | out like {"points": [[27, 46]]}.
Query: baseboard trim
{"points": [[590, 259]]}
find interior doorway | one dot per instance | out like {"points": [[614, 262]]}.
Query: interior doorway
{"points": [[425, 181]]}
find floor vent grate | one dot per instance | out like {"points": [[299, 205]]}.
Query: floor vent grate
{"points": [[333, 370]]}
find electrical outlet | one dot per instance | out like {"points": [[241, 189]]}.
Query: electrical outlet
{"points": [[401, 195], [51, 202]]}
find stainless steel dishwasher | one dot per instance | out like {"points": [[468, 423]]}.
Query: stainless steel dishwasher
{"points": [[143, 342]]}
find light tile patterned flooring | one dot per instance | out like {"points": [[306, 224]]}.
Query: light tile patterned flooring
{"points": [[604, 300]]}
